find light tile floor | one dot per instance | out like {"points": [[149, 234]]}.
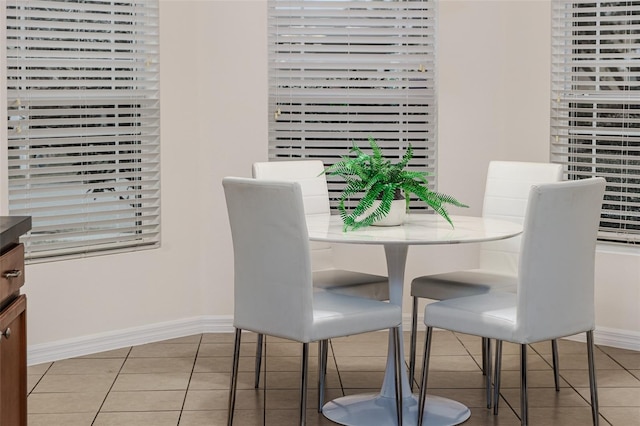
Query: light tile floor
{"points": [[185, 382]]}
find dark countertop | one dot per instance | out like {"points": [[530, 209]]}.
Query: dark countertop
{"points": [[12, 227]]}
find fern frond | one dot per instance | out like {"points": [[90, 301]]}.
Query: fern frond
{"points": [[408, 155], [410, 175], [434, 200]]}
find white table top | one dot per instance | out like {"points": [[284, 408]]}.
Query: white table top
{"points": [[420, 229]]}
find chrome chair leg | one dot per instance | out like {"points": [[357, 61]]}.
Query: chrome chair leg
{"points": [[425, 373], [322, 371], [303, 383], [258, 360], [484, 356], [412, 349], [554, 355], [524, 403], [325, 356], [593, 387], [234, 377], [487, 371], [496, 381], [398, 364], [498, 366]]}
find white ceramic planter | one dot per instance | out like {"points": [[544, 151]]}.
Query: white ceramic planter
{"points": [[396, 215]]}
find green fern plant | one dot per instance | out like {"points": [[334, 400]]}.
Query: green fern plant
{"points": [[379, 179]]}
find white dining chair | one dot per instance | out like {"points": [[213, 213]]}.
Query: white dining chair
{"points": [[555, 285], [505, 197], [273, 286], [315, 193]]}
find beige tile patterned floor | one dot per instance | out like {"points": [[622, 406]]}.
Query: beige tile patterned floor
{"points": [[185, 382]]}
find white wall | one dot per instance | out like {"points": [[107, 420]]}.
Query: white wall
{"points": [[494, 61], [213, 98]]}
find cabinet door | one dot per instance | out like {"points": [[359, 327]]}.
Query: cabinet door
{"points": [[13, 364]]}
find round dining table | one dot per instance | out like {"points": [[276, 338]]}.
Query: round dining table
{"points": [[418, 229]]}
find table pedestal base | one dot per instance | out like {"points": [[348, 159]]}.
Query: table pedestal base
{"points": [[374, 409]]}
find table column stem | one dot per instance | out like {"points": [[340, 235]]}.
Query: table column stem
{"points": [[396, 255]]}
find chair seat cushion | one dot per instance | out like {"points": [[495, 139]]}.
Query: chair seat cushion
{"points": [[461, 284], [338, 315], [491, 315], [351, 283]]}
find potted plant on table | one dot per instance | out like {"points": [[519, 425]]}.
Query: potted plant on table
{"points": [[383, 184]]}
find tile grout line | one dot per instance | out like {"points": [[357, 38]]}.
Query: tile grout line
{"points": [[40, 379], [112, 384], [186, 391]]}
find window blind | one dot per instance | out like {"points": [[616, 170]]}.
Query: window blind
{"points": [[83, 124], [595, 123], [341, 71]]}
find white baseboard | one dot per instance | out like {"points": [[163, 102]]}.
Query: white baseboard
{"points": [[85, 345], [623, 339]]}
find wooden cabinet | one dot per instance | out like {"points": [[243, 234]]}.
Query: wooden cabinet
{"points": [[13, 323], [13, 363]]}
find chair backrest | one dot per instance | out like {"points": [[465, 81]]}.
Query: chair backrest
{"points": [[308, 173], [556, 273], [272, 283], [315, 193], [505, 197]]}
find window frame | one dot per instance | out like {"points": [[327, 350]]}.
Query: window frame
{"points": [[82, 105], [595, 90]]}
